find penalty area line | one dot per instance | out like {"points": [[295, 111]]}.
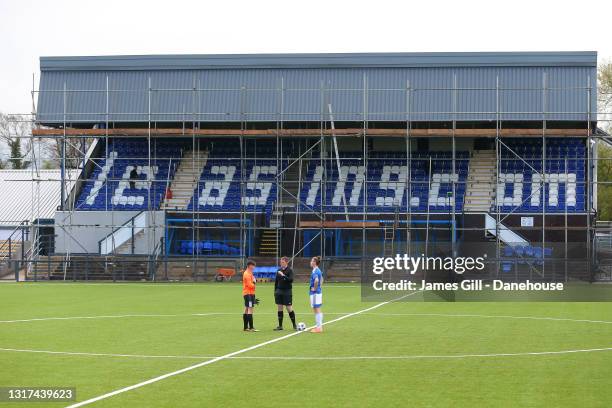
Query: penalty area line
{"points": [[225, 356]]}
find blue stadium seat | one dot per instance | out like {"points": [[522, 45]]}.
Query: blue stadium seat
{"points": [[560, 190], [430, 187], [108, 187]]}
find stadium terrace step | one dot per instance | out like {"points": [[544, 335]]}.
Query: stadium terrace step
{"points": [[293, 178], [195, 269], [81, 267], [480, 192], [185, 179], [43, 267], [343, 271], [268, 245], [8, 251], [126, 247]]}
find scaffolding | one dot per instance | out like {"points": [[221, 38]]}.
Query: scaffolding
{"points": [[297, 145]]}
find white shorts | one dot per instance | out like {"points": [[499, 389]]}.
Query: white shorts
{"points": [[316, 300]]}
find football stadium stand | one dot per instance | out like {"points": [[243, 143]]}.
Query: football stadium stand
{"points": [[348, 156]]}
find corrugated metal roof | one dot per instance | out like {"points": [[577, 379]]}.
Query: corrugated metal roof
{"points": [[223, 88], [331, 60], [30, 198]]}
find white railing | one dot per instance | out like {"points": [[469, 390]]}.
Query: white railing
{"points": [[123, 234], [506, 235]]}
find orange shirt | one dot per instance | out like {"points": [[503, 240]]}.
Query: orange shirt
{"points": [[248, 283]]}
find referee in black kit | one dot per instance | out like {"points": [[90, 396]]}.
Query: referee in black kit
{"points": [[283, 292]]}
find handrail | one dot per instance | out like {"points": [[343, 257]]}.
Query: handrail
{"points": [[168, 178], [15, 230], [133, 223], [33, 251], [157, 251], [82, 176], [508, 236]]}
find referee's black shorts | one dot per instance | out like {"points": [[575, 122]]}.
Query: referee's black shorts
{"points": [[249, 300], [284, 298]]}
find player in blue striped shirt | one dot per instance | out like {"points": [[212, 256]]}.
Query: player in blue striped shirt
{"points": [[316, 293]]}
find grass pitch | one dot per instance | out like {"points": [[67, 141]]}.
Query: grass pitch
{"points": [[105, 337]]}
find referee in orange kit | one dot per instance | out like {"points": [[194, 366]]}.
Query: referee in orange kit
{"points": [[248, 293]]}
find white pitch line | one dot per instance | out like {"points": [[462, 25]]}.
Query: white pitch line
{"points": [[559, 319], [79, 353], [220, 358], [533, 353], [323, 358], [39, 319], [42, 319], [223, 357]]}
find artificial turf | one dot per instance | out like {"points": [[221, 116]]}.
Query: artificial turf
{"points": [[434, 354]]}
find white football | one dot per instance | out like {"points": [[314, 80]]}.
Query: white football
{"points": [[301, 326]]}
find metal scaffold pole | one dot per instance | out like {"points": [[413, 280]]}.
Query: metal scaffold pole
{"points": [[408, 172], [243, 216], [194, 225], [364, 235], [497, 172], [454, 170], [324, 178], [544, 172], [589, 212]]}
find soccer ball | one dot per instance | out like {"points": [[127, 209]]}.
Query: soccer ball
{"points": [[301, 326]]}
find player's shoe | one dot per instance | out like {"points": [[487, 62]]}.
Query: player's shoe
{"points": [[278, 328], [253, 330], [317, 330]]}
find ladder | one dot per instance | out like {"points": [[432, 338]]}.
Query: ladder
{"points": [[389, 236]]}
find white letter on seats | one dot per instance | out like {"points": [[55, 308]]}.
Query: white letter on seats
{"points": [[255, 185], [220, 185]]}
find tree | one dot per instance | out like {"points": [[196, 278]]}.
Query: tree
{"points": [[604, 150], [604, 175], [16, 132], [75, 152], [604, 95]]}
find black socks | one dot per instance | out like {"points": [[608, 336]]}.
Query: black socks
{"points": [[292, 316], [280, 318], [247, 321]]}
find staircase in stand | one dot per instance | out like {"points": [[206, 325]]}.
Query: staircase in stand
{"points": [[186, 179], [268, 245], [92, 267], [480, 190], [344, 270], [8, 251], [126, 247], [291, 178]]}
